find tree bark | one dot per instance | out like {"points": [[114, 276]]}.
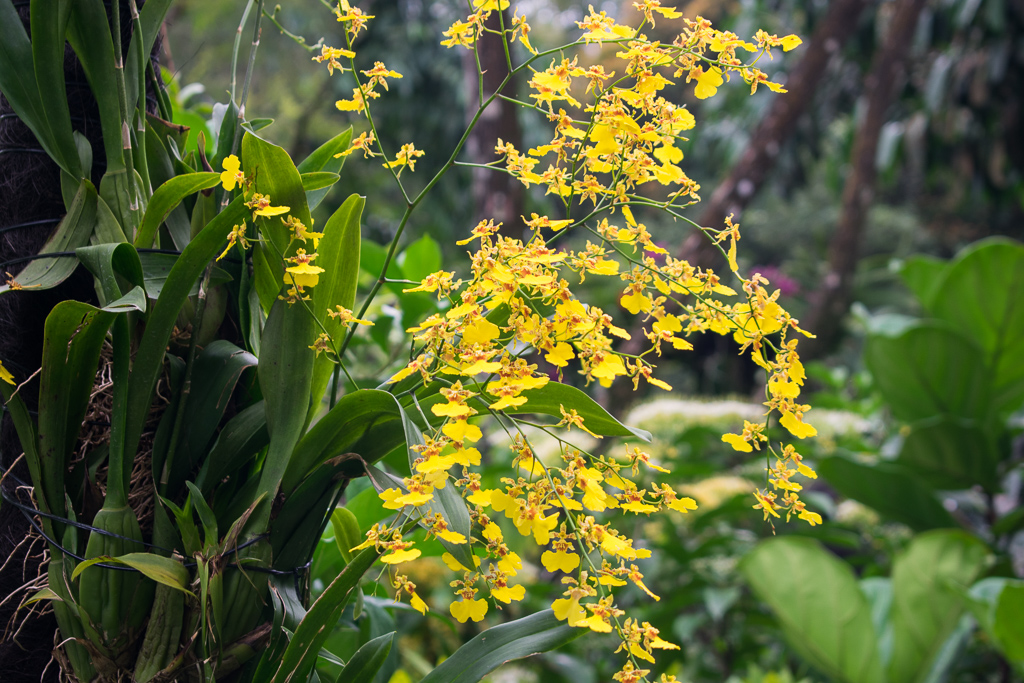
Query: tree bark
{"points": [[496, 195], [734, 194], [883, 83]]}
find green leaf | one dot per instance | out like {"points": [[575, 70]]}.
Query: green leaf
{"points": [[921, 274], [216, 372], [301, 654], [540, 632], [72, 339], [339, 431], [166, 198], [982, 296], [73, 232], [927, 370], [346, 531], [1008, 627], [157, 267], [339, 257], [318, 181], [926, 605], [164, 570], [184, 274], [89, 35], [241, 439], [823, 613], [151, 17], [324, 159], [49, 25], [952, 455], [276, 177], [549, 397], [367, 660], [285, 372], [892, 490], [17, 77], [421, 258]]}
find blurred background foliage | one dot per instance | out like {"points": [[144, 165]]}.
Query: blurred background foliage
{"points": [[947, 171]]}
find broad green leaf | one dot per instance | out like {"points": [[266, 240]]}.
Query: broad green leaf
{"points": [[285, 371], [952, 455], [111, 262], [339, 431], [108, 229], [368, 660], [921, 274], [166, 198], [73, 336], [157, 267], [216, 372], [89, 35], [982, 296], [339, 257], [552, 395], [325, 158], [421, 258], [73, 232], [878, 591], [929, 370], [926, 605], [300, 655], [317, 181], [184, 274], [1008, 627], [241, 439], [823, 613], [894, 491], [164, 570], [277, 178], [540, 632], [346, 531]]}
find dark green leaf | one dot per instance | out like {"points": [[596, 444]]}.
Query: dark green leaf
{"points": [[540, 632], [952, 455], [73, 232], [276, 177], [822, 611], [89, 35], [929, 370], [318, 181], [184, 274], [892, 490], [551, 396], [367, 660], [325, 158], [166, 198], [301, 653], [242, 438]]}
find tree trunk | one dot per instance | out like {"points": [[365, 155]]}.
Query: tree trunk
{"points": [[496, 195], [741, 186], [883, 83]]}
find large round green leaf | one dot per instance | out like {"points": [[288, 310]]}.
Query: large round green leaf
{"points": [[929, 369], [926, 604], [982, 294], [823, 613]]}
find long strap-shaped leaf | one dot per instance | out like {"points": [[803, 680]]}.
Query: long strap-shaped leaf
{"points": [[312, 633], [149, 359], [49, 24], [530, 635]]}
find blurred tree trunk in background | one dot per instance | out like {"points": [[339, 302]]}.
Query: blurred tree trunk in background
{"points": [[741, 186], [830, 301], [496, 195]]}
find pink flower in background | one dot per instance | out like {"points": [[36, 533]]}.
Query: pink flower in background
{"points": [[778, 279]]}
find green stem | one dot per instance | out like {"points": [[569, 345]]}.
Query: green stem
{"points": [[122, 100], [140, 113], [237, 46], [256, 32]]}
